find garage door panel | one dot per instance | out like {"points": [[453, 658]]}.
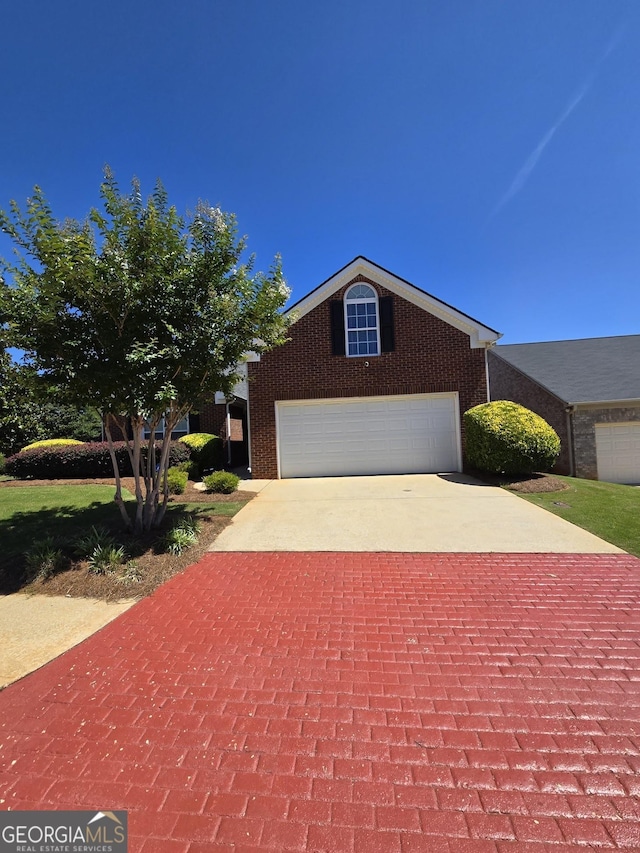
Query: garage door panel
{"points": [[382, 435], [618, 452]]}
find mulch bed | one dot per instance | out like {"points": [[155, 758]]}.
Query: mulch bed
{"points": [[155, 567], [529, 485]]}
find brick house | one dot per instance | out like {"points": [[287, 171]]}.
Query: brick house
{"points": [[373, 380], [588, 390]]}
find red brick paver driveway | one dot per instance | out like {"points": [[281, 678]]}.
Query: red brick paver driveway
{"points": [[350, 702]]}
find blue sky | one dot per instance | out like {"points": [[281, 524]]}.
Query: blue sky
{"points": [[487, 151]]}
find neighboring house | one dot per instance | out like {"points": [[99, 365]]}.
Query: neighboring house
{"points": [[588, 390], [373, 380]]}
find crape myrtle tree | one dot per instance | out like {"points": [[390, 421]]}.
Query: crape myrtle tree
{"points": [[139, 313]]}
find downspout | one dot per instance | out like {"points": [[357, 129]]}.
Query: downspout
{"points": [[486, 369], [228, 434], [248, 422], [572, 456]]}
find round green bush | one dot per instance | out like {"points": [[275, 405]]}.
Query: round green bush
{"points": [[176, 481], [221, 482], [51, 442], [205, 448], [505, 438]]}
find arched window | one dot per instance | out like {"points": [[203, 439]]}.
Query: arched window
{"points": [[361, 322]]}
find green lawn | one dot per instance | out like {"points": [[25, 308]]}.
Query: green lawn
{"points": [[29, 513], [607, 510]]}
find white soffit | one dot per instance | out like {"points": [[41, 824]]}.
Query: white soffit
{"points": [[480, 336]]}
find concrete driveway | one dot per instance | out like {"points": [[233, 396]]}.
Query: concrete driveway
{"points": [[34, 629], [411, 512]]}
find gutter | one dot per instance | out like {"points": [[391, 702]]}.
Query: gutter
{"points": [[632, 402]]}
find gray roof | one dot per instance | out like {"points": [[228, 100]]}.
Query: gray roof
{"points": [[588, 370]]}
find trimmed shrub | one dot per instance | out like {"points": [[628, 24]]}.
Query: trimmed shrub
{"points": [[206, 450], [221, 482], [80, 460], [505, 438], [51, 442], [3, 463], [176, 481]]}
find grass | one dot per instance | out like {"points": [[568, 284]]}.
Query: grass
{"points": [[29, 513], [607, 510], [32, 513]]}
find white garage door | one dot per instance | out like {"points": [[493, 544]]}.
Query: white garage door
{"points": [[618, 452], [372, 435]]}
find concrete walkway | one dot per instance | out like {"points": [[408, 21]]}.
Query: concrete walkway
{"points": [[34, 629], [352, 703], [411, 512]]}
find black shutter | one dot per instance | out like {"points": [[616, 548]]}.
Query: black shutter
{"points": [[337, 327], [387, 337], [194, 422]]}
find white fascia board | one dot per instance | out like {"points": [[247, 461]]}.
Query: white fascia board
{"points": [[480, 336]]}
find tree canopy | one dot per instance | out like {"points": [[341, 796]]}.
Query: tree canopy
{"points": [[136, 311], [28, 412]]}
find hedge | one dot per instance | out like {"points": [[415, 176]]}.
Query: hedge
{"points": [[80, 461], [205, 449], [50, 442], [505, 438]]}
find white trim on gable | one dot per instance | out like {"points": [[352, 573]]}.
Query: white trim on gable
{"points": [[480, 336]]}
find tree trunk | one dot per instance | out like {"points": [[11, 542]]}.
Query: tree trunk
{"points": [[116, 472], [161, 479], [136, 467]]}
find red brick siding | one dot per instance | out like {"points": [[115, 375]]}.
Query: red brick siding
{"points": [[430, 356], [507, 383], [213, 418]]}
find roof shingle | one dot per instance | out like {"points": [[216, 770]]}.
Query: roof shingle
{"points": [[587, 370]]}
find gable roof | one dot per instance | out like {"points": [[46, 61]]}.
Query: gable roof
{"points": [[588, 370], [479, 334]]}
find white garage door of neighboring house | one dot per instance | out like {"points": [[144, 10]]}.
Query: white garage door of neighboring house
{"points": [[618, 452], [409, 434]]}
